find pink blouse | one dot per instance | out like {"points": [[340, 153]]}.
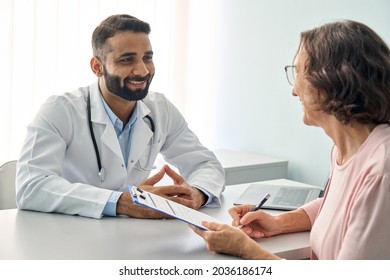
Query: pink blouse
{"points": [[352, 221]]}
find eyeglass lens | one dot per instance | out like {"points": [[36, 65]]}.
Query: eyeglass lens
{"points": [[290, 74]]}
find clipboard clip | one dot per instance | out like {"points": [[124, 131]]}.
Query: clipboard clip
{"points": [[137, 192]]}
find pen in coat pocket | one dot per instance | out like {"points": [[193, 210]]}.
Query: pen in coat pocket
{"points": [[258, 206]]}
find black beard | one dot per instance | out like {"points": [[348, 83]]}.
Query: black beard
{"points": [[113, 84]]}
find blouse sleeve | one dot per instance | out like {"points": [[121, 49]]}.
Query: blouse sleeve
{"points": [[312, 208]]}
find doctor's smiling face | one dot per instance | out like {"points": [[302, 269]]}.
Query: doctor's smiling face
{"points": [[127, 66]]}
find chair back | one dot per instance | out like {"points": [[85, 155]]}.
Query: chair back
{"points": [[7, 185]]}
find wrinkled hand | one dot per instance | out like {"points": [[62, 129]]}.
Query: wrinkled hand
{"points": [[221, 238], [256, 224], [180, 192]]}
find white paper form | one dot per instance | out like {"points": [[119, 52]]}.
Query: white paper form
{"points": [[169, 207]]}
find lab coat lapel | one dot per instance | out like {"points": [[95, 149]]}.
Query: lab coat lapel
{"points": [[142, 134], [102, 125]]}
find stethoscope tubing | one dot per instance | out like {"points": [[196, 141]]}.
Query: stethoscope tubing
{"points": [[101, 171]]}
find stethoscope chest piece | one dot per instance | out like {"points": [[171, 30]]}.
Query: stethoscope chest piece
{"points": [[102, 174]]}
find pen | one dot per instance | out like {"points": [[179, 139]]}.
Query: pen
{"points": [[258, 206]]}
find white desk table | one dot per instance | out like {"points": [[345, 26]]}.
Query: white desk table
{"points": [[32, 235]]}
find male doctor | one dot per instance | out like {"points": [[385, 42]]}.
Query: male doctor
{"points": [[84, 148]]}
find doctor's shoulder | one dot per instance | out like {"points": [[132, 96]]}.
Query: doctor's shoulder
{"points": [[159, 104], [61, 110], [154, 98], [66, 102]]}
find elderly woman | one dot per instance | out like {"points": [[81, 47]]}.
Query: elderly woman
{"points": [[342, 78]]}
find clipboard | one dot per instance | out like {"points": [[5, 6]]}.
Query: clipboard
{"points": [[169, 207]]}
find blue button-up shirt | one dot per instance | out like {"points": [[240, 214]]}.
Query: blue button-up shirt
{"points": [[124, 135]]}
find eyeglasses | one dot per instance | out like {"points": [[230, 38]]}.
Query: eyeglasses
{"points": [[290, 74]]}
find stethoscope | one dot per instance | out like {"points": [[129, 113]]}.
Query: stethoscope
{"points": [[101, 170]]}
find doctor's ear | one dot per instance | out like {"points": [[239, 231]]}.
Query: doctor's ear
{"points": [[96, 66]]}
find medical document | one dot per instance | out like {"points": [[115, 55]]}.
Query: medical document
{"points": [[169, 207]]}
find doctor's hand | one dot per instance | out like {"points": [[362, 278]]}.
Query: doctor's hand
{"points": [[194, 199], [221, 238], [181, 192], [126, 206]]}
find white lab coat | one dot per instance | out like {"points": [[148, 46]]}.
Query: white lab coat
{"points": [[57, 170]]}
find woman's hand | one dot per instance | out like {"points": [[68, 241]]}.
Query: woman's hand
{"points": [[256, 224], [221, 238]]}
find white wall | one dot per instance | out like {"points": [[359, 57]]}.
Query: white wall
{"points": [[220, 62], [255, 111]]}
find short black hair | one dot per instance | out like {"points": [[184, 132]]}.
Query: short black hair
{"points": [[113, 25]]}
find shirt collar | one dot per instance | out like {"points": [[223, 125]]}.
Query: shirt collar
{"points": [[117, 123]]}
